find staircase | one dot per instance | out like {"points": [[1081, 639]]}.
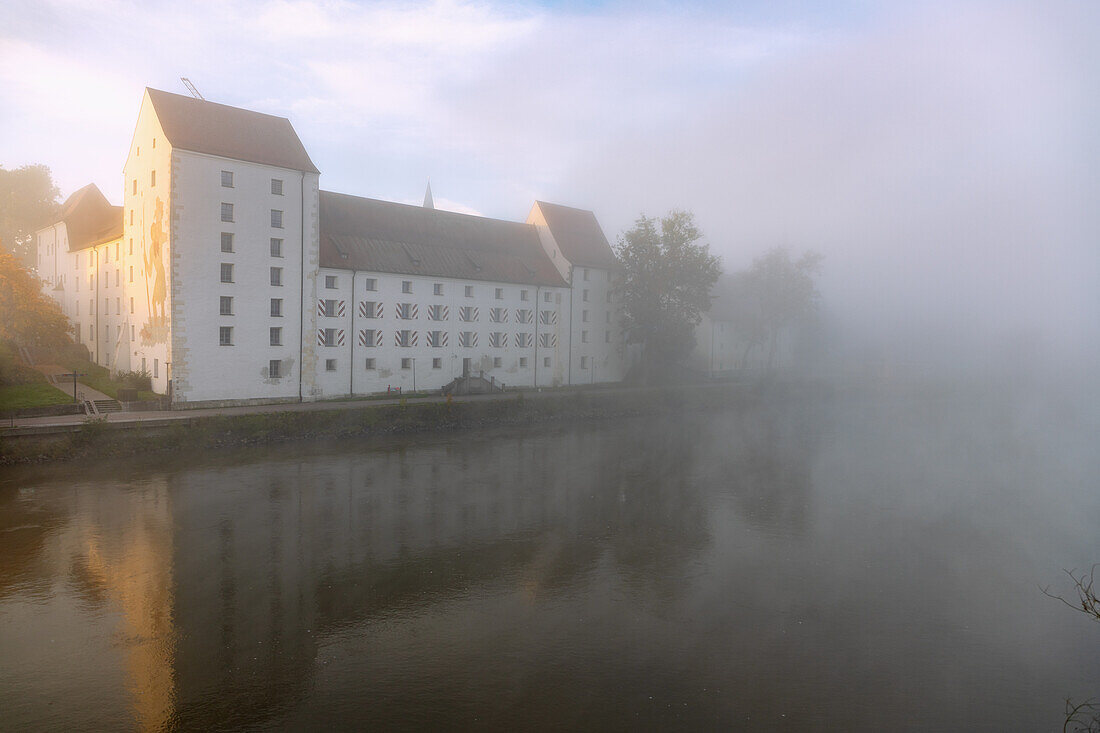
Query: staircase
{"points": [[104, 406]]}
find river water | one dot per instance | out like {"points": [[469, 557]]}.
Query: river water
{"points": [[870, 562]]}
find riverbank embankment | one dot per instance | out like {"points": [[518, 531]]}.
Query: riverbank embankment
{"points": [[104, 438]]}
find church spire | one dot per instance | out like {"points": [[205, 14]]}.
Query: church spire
{"points": [[428, 202]]}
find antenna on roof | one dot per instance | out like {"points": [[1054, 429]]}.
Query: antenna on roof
{"points": [[428, 202], [191, 88]]}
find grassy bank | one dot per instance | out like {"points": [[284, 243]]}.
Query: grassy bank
{"points": [[35, 394], [99, 439]]}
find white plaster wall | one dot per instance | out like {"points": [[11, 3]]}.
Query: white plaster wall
{"points": [[351, 374], [151, 343], [203, 369], [603, 353]]}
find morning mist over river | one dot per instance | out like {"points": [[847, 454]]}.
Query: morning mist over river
{"points": [[863, 560], [508, 365]]}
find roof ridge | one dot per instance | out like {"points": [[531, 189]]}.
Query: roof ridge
{"points": [[216, 104]]}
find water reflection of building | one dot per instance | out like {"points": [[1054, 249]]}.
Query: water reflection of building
{"points": [[229, 578]]}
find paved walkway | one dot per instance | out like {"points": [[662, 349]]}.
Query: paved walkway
{"points": [[65, 384], [163, 415]]}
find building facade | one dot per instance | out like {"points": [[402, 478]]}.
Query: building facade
{"points": [[230, 276]]}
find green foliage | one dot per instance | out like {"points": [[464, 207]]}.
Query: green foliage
{"points": [[28, 317], [139, 380], [664, 287], [28, 201], [773, 294]]}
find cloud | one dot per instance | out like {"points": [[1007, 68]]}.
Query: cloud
{"points": [[942, 156]]}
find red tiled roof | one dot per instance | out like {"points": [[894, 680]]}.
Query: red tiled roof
{"points": [[579, 235], [90, 219], [382, 236], [230, 132]]}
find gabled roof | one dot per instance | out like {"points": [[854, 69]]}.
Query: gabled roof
{"points": [[230, 132], [578, 235], [90, 219], [382, 236]]}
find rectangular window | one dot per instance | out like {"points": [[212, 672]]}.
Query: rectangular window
{"points": [[227, 241], [156, 368], [274, 369], [370, 283], [330, 282], [277, 307], [500, 294], [406, 363], [133, 188], [498, 340], [406, 286], [116, 260], [131, 305], [546, 297], [131, 275], [131, 250], [131, 332], [403, 337], [498, 315], [548, 318], [406, 311], [369, 309], [328, 337], [277, 186], [546, 340], [436, 339], [225, 306], [275, 335], [225, 336], [330, 365], [328, 308], [584, 272], [584, 362], [523, 340], [523, 295], [466, 339], [546, 361], [608, 296], [276, 218], [227, 179], [368, 338], [227, 272], [227, 212], [467, 313], [584, 316], [437, 289], [523, 315], [276, 247], [584, 295], [437, 363], [368, 363], [497, 362], [152, 178], [276, 276], [437, 312], [523, 362], [469, 291]]}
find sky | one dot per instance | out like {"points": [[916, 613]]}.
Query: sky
{"points": [[942, 156]]}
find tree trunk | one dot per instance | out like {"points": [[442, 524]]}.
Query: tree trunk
{"points": [[771, 350], [745, 354]]}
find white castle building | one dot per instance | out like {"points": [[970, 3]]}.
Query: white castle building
{"points": [[231, 277]]}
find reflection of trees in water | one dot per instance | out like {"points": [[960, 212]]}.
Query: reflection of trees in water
{"points": [[762, 460], [26, 523]]}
